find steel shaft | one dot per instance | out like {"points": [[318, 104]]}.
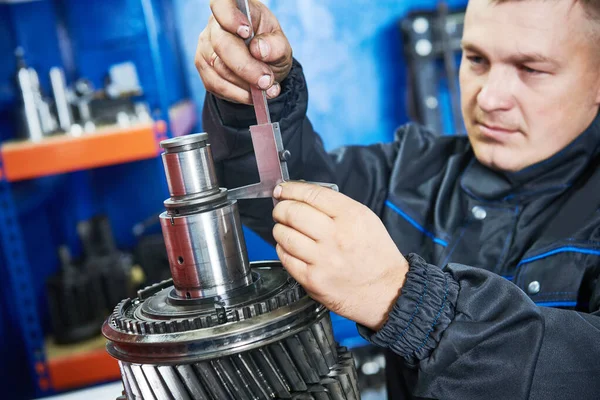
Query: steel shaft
{"points": [[206, 250]]}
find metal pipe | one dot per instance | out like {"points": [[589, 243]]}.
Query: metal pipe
{"points": [[34, 127], [47, 122], [59, 89]]}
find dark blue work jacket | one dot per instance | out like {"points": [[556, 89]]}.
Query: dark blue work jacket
{"points": [[491, 309]]}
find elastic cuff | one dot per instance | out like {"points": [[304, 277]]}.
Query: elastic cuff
{"points": [[421, 314]]}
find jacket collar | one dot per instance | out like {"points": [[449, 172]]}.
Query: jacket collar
{"points": [[556, 173]]}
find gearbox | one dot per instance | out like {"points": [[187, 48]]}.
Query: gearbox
{"points": [[221, 328]]}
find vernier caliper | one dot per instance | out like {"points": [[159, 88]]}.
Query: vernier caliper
{"points": [[271, 157], [266, 139]]}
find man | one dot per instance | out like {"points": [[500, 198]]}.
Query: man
{"points": [[470, 215]]}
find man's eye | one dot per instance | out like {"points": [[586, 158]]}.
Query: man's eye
{"points": [[529, 70], [476, 60]]}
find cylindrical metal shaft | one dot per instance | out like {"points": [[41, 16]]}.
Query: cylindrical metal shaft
{"points": [[189, 166], [34, 127], [63, 108], [206, 249]]}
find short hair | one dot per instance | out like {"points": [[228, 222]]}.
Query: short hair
{"points": [[591, 7]]}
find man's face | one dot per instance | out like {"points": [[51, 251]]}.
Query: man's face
{"points": [[529, 77]]}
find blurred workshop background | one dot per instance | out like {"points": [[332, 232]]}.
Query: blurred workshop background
{"points": [[87, 90]]}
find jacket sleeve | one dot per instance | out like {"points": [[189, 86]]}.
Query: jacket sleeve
{"points": [[361, 172], [466, 333]]}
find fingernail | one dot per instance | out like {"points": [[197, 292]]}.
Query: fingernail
{"points": [[244, 31], [277, 191], [264, 48], [273, 91], [264, 82]]}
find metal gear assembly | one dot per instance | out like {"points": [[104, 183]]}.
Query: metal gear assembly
{"points": [[222, 328]]}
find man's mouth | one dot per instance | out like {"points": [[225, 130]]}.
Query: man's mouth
{"points": [[495, 131]]}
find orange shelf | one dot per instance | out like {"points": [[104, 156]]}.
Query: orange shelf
{"points": [[84, 369], [79, 365], [65, 153]]}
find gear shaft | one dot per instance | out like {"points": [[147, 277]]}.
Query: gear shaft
{"points": [[221, 328]]}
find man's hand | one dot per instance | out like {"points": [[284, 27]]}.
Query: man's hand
{"points": [[339, 251], [226, 65]]}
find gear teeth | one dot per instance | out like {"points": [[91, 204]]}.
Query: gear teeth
{"points": [[263, 307], [256, 379], [273, 303], [301, 366], [191, 382], [272, 371], [282, 300], [172, 326], [123, 322], [150, 329], [116, 319], [305, 365], [288, 368], [151, 290], [204, 322], [172, 382]]}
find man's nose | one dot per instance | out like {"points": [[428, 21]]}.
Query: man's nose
{"points": [[496, 93]]}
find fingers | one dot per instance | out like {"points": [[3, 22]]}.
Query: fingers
{"points": [[297, 269], [274, 91], [227, 74], [229, 16], [272, 47], [328, 201], [216, 76], [295, 243], [235, 55], [223, 88], [221, 49], [304, 218]]}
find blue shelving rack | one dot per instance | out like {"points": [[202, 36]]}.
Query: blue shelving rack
{"points": [[85, 38]]}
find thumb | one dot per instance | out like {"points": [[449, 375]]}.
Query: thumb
{"points": [[272, 47]]}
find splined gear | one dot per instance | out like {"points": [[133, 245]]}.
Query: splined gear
{"points": [[302, 366], [285, 350], [129, 315]]}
